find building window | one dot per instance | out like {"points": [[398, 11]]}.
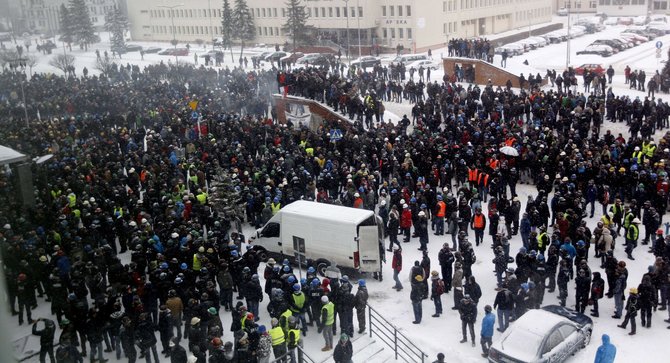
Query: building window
{"points": [[401, 33], [277, 31], [274, 12], [408, 10], [345, 12], [316, 12], [392, 33], [309, 12], [391, 11], [399, 10], [323, 12], [263, 12], [385, 34], [360, 12], [337, 12], [409, 33], [384, 12]]}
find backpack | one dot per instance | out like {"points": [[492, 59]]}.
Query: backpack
{"points": [[439, 289]]}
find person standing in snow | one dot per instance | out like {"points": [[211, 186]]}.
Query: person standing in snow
{"points": [[632, 306], [361, 303], [606, 351], [468, 313], [416, 295], [487, 330], [396, 264]]}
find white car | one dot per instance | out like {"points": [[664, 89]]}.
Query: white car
{"points": [[658, 25], [577, 31], [528, 43], [512, 49], [540, 41], [426, 63], [640, 20], [599, 49], [563, 12], [551, 334]]}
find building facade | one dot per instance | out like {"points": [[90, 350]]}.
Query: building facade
{"points": [[414, 24], [627, 7], [43, 16]]}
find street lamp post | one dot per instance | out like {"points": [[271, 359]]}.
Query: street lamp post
{"points": [[567, 48], [358, 24], [174, 39], [530, 13], [346, 3]]}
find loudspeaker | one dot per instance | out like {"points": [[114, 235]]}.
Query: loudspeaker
{"points": [[24, 183]]}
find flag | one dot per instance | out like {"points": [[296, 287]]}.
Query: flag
{"points": [[193, 104], [199, 127], [39, 117]]}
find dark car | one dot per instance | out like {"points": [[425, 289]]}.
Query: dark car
{"points": [[175, 51], [148, 50], [367, 61], [551, 334], [133, 48]]}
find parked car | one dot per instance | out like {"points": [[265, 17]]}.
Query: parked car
{"points": [[528, 44], [625, 21], [276, 56], [133, 48], [261, 56], [641, 31], [151, 50], [659, 26], [293, 57], [562, 12], [174, 51], [595, 68], [317, 59], [557, 36], [426, 63], [636, 38], [367, 61], [540, 41], [614, 43], [599, 49], [212, 53], [577, 31], [551, 334], [512, 49], [641, 20]]}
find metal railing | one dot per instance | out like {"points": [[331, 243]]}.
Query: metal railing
{"points": [[301, 357], [402, 347]]}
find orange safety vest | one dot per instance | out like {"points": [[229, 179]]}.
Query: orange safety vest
{"points": [[483, 179], [473, 174], [478, 221], [494, 164], [441, 209]]}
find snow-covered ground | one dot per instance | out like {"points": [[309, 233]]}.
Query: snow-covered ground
{"points": [[442, 334]]}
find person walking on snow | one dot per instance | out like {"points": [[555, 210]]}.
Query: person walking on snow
{"points": [[487, 330], [606, 352]]}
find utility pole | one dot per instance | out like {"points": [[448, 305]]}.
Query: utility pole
{"points": [[174, 39], [567, 47], [358, 24], [346, 3]]}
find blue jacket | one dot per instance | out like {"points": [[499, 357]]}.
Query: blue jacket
{"points": [[606, 352], [487, 325]]}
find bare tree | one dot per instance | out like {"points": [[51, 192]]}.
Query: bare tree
{"points": [[104, 65], [63, 62], [31, 61], [8, 56]]}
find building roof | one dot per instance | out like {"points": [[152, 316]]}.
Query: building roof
{"points": [[8, 156], [328, 211]]}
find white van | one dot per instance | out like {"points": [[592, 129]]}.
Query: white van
{"points": [[409, 58], [322, 235]]}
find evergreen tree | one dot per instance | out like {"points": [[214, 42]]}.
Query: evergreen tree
{"points": [[66, 28], [116, 24], [245, 29], [83, 31], [296, 23], [227, 27]]}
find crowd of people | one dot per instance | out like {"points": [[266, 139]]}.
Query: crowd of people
{"points": [[137, 153]]}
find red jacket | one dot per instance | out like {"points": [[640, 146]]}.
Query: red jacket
{"points": [[406, 218], [396, 264]]}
